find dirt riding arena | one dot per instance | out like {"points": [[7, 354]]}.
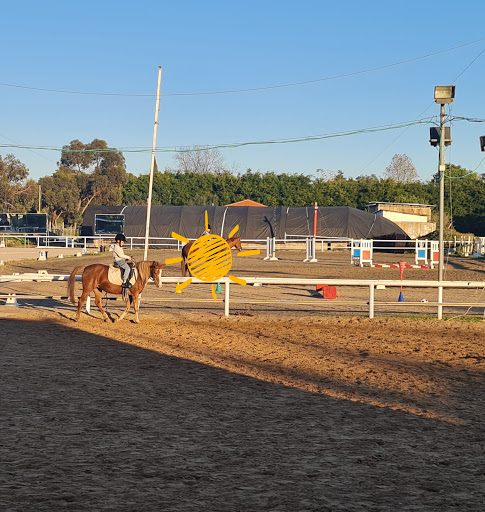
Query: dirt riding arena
{"points": [[279, 407]]}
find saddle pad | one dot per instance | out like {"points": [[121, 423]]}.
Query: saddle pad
{"points": [[114, 276]]}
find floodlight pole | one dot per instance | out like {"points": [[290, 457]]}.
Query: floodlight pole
{"points": [[152, 166], [441, 169]]}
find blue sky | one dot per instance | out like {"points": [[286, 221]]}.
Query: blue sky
{"points": [[110, 47]]}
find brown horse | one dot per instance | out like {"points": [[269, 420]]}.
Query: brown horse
{"points": [[95, 278], [234, 241]]}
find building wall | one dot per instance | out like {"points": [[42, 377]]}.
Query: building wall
{"points": [[417, 229], [422, 211], [414, 220], [403, 217]]}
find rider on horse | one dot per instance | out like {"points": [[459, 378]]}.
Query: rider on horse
{"points": [[122, 260]]}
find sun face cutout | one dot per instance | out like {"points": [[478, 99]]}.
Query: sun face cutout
{"points": [[210, 257]]}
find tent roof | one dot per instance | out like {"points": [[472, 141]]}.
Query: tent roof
{"points": [[246, 202], [254, 222]]}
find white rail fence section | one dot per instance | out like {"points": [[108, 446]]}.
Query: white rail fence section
{"points": [[362, 250], [371, 285]]}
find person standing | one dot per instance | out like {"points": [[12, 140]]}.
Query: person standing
{"points": [[122, 260], [207, 231]]}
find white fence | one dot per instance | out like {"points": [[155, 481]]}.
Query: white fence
{"points": [[425, 250], [371, 285]]}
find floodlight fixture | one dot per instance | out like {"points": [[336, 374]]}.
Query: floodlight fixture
{"points": [[482, 142], [435, 133], [444, 94]]}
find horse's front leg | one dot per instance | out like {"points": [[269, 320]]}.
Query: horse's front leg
{"points": [[128, 304], [97, 299], [136, 305]]}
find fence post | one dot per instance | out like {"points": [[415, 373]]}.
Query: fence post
{"points": [[371, 300], [440, 302], [226, 299]]}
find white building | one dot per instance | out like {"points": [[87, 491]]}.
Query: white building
{"points": [[414, 219]]}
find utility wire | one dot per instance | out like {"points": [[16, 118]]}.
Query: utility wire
{"points": [[31, 150], [200, 148], [426, 109], [253, 89], [225, 146]]}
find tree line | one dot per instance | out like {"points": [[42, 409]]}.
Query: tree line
{"points": [[93, 173]]}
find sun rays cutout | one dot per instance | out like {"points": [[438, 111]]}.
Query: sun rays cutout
{"points": [[209, 258]]}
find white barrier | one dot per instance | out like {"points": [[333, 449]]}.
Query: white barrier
{"points": [[361, 252], [434, 253], [271, 249], [421, 252], [310, 250], [480, 252]]}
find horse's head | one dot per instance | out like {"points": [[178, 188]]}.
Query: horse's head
{"points": [[156, 272]]}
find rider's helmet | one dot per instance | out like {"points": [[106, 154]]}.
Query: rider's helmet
{"points": [[120, 237]]}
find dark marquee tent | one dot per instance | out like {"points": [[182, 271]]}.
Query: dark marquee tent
{"points": [[254, 222]]}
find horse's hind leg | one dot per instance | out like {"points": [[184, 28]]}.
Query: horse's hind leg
{"points": [[97, 299], [128, 304], [81, 301]]}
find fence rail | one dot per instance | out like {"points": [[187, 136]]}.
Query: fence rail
{"points": [[466, 247], [371, 285]]}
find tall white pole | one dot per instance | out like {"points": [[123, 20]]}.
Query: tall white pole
{"points": [[441, 174], [152, 166]]}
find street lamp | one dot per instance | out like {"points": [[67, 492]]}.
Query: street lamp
{"points": [[443, 94]]}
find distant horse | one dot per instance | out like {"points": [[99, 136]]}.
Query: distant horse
{"points": [[95, 278], [234, 241]]}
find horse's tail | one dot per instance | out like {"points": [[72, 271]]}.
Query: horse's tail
{"points": [[71, 281]]}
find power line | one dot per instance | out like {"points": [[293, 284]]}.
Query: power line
{"points": [[35, 152], [179, 149], [199, 148], [254, 89], [427, 108]]}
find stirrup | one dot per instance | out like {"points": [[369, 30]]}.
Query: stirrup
{"points": [[126, 284]]}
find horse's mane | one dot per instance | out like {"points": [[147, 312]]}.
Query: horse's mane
{"points": [[234, 238], [144, 270]]}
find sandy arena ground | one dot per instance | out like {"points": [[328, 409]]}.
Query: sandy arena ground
{"points": [[278, 407]]}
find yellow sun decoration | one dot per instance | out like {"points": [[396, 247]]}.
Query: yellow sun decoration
{"points": [[209, 258]]}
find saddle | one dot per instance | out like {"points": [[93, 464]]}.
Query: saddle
{"points": [[115, 275]]}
